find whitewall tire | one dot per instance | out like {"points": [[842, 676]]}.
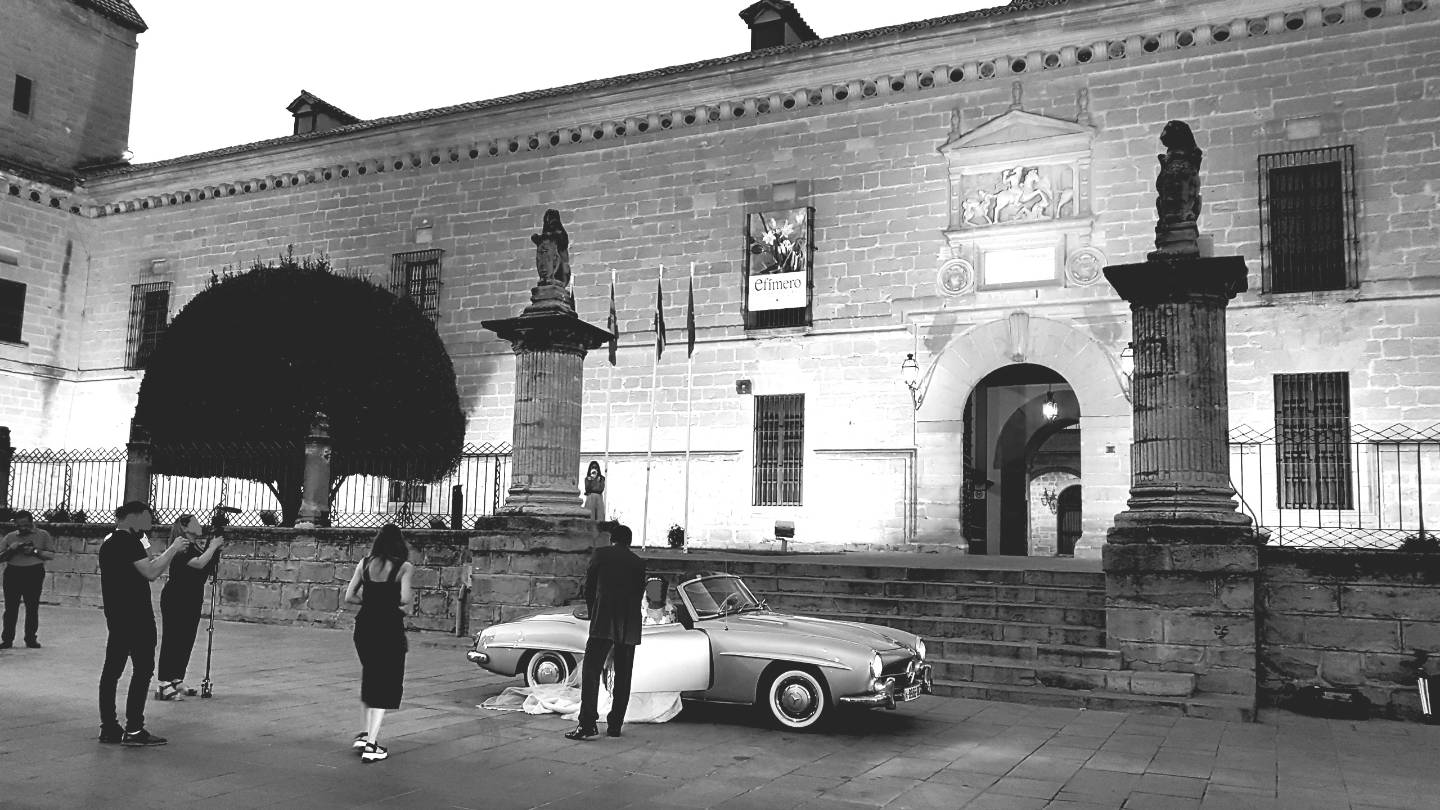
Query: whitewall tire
{"points": [[796, 699]]}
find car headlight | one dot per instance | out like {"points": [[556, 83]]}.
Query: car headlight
{"points": [[920, 648], [876, 667], [484, 639]]}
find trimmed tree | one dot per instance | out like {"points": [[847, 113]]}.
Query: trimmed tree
{"points": [[237, 377]]}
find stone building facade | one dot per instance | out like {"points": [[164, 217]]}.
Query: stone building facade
{"points": [[963, 181]]}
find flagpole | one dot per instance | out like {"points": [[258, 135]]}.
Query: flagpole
{"points": [[650, 443], [609, 387], [689, 397]]}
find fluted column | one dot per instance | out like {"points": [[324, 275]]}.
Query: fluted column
{"points": [[315, 493], [137, 464], [547, 430], [1180, 463]]}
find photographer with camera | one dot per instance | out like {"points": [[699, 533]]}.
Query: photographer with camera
{"points": [[181, 600], [24, 551]]}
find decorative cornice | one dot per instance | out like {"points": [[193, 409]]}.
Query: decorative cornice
{"points": [[779, 103], [17, 184]]}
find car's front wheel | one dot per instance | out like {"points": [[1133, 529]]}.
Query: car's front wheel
{"points": [[548, 666], [796, 699]]}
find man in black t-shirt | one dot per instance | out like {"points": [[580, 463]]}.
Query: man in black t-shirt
{"points": [[126, 571]]}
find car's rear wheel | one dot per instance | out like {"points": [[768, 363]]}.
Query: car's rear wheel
{"points": [[548, 666], [796, 698]]}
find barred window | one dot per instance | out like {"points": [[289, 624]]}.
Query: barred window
{"points": [[1308, 223], [12, 310], [149, 314], [779, 449], [416, 276], [404, 492], [1312, 437]]}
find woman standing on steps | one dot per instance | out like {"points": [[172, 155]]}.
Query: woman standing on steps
{"points": [[381, 587], [180, 604]]}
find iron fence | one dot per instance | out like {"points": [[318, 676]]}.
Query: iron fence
{"points": [[68, 485], [87, 485], [1323, 488], [473, 488]]}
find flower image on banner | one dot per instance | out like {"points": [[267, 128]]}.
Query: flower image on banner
{"points": [[778, 248], [779, 241]]}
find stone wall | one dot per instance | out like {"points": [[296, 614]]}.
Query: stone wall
{"points": [[1348, 619], [522, 563], [281, 576]]}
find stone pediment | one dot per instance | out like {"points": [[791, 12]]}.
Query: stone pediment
{"points": [[1015, 127]]}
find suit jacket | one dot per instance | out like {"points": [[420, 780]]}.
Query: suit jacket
{"points": [[614, 586]]}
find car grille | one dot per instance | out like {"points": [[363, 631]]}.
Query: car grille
{"points": [[898, 665]]}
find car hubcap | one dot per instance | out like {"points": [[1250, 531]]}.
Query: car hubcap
{"points": [[796, 700], [548, 671]]}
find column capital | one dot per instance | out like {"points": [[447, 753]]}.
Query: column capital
{"points": [[549, 331], [1178, 280]]}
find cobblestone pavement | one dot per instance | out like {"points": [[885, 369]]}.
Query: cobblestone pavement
{"points": [[277, 734]]}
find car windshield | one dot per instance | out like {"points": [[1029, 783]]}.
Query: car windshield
{"points": [[719, 596]]}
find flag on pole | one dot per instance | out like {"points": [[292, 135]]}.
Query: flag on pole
{"points": [[612, 323], [690, 317], [659, 319]]}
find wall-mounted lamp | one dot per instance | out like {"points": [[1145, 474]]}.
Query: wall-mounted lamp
{"points": [[1050, 499], [1127, 366], [1050, 409], [910, 373]]}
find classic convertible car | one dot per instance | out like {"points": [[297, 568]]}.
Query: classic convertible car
{"points": [[726, 646]]}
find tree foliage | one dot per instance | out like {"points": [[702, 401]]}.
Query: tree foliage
{"points": [[235, 380]]}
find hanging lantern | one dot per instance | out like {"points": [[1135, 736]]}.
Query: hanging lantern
{"points": [[1050, 409]]}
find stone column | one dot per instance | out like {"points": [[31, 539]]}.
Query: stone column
{"points": [[1181, 562], [137, 464], [315, 497], [550, 343]]}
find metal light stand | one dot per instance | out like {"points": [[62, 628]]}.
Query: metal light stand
{"points": [[217, 522]]}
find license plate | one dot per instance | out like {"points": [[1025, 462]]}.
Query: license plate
{"points": [[911, 692]]}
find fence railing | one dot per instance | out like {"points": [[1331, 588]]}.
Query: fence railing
{"points": [[87, 485], [1323, 487]]}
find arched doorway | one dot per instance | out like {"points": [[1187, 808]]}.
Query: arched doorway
{"points": [[1067, 520], [1021, 421]]}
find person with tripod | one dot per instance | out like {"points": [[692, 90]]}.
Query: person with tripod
{"points": [[181, 600]]}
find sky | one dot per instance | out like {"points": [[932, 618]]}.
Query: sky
{"points": [[213, 74]]}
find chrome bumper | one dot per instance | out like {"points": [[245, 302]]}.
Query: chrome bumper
{"points": [[478, 658], [891, 692]]}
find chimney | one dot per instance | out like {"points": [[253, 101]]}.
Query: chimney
{"points": [[315, 114], [776, 22]]}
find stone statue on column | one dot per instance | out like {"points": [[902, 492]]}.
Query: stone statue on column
{"points": [[1177, 200], [552, 263]]}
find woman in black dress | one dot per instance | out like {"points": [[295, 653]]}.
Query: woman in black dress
{"points": [[595, 492], [180, 604], [381, 587]]}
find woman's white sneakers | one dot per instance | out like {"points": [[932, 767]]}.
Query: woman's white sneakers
{"points": [[373, 752], [361, 740]]}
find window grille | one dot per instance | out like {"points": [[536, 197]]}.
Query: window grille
{"points": [[149, 314], [1312, 438], [1308, 220], [403, 492], [779, 449], [416, 276], [12, 310]]}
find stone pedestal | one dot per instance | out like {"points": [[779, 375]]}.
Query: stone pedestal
{"points": [[522, 563], [315, 492], [550, 348], [1181, 562], [137, 464]]}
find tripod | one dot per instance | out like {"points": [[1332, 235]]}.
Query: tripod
{"points": [[217, 522]]}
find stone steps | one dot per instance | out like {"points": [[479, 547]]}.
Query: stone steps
{"points": [[1028, 636], [1209, 707], [1005, 671]]}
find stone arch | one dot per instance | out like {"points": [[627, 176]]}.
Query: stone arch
{"points": [[1095, 378]]}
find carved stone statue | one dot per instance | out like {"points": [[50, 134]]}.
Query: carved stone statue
{"points": [[552, 252], [1177, 200]]}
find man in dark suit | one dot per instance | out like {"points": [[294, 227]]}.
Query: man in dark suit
{"points": [[614, 586]]}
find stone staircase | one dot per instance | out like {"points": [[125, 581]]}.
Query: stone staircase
{"points": [[1033, 636]]}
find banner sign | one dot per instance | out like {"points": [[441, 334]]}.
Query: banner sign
{"points": [[777, 291], [778, 252]]}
